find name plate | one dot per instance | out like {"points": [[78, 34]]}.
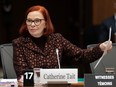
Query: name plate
{"points": [[58, 76], [100, 80]]}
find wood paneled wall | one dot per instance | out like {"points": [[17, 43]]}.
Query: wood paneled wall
{"points": [[102, 9]]}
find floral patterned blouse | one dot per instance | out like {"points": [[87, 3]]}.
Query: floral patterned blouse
{"points": [[28, 55]]}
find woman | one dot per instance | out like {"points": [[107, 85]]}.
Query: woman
{"points": [[38, 46]]}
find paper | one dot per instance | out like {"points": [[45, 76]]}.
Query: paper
{"points": [[8, 82], [105, 52]]}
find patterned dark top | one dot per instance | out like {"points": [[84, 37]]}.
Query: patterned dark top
{"points": [[28, 55]]}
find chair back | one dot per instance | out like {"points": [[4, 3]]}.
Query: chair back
{"points": [[6, 51], [108, 61]]}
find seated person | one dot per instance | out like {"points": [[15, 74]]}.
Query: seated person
{"points": [[104, 29], [36, 47]]}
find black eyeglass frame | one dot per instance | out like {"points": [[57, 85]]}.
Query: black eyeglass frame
{"points": [[35, 21]]}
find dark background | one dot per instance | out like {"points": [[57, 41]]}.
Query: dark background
{"points": [[71, 18]]}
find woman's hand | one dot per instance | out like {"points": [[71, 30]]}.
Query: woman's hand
{"points": [[21, 79], [106, 46]]}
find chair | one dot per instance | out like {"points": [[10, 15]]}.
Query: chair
{"points": [[6, 51], [108, 61]]}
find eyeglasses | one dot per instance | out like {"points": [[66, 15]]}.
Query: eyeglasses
{"points": [[36, 21]]}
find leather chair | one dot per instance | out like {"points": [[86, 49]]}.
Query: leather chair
{"points": [[6, 51]]}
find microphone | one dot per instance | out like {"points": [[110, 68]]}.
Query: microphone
{"points": [[57, 53]]}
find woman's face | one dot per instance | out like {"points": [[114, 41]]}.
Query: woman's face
{"points": [[35, 23]]}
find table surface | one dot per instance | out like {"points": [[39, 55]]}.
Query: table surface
{"points": [[79, 84]]}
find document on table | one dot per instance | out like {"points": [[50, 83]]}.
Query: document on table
{"points": [[105, 52]]}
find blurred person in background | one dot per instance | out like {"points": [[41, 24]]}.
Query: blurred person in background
{"points": [[105, 26]]}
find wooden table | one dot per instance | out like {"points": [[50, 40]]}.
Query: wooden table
{"points": [[80, 84]]}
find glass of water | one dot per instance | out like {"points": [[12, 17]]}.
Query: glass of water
{"points": [[36, 76]]}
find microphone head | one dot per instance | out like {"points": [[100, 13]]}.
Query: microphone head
{"points": [[57, 50]]}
